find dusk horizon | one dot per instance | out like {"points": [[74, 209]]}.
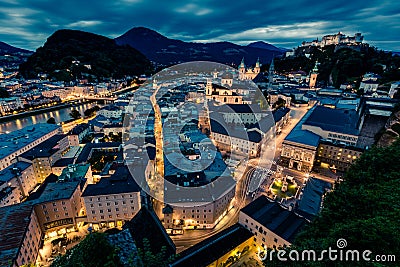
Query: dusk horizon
{"points": [[279, 23]]}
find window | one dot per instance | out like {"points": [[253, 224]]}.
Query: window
{"points": [[275, 240]]}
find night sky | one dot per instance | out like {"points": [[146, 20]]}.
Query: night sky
{"points": [[27, 23]]}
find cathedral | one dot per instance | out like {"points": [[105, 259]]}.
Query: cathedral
{"points": [[248, 73]]}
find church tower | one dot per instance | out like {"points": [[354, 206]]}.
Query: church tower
{"points": [[271, 73], [257, 68], [209, 87], [242, 70], [313, 75]]}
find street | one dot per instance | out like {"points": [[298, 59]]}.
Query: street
{"points": [[252, 175]]}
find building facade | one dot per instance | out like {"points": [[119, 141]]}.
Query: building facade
{"points": [[15, 143]]}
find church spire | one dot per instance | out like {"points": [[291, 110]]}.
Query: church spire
{"points": [[258, 63], [242, 64], [315, 69]]}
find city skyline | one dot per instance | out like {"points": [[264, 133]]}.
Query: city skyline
{"points": [[27, 25]]}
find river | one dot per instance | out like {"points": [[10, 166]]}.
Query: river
{"points": [[59, 115]]}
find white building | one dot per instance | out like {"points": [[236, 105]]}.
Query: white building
{"points": [[8, 105], [272, 225], [15, 143], [394, 88], [110, 111], [112, 201], [16, 182]]}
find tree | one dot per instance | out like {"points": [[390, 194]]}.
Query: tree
{"points": [[93, 251], [75, 114], [279, 103], [51, 120], [4, 93], [90, 111], [150, 259], [363, 209]]}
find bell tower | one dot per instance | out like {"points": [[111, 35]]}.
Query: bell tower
{"points": [[314, 75], [257, 67], [242, 70]]}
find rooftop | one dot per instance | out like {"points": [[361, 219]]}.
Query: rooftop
{"points": [[14, 221], [44, 149], [275, 217], [13, 141], [212, 248], [120, 182], [86, 151], [74, 172], [56, 191], [334, 120], [146, 224], [238, 131], [63, 162], [297, 135], [78, 129], [280, 113], [12, 171], [310, 202]]}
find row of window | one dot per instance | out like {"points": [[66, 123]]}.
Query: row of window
{"points": [[107, 197], [109, 210]]}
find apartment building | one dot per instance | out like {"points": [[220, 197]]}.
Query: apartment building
{"points": [[44, 155], [272, 225], [20, 235], [17, 142], [112, 201], [16, 182]]}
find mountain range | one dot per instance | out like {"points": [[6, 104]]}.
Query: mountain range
{"points": [[165, 51], [130, 53], [9, 49]]}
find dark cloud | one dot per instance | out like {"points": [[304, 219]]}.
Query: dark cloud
{"points": [[27, 23]]}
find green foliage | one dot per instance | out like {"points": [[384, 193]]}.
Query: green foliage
{"points": [[363, 209], [4, 93], [279, 104], [75, 114], [93, 251], [396, 127], [99, 160], [150, 259], [105, 57], [51, 120], [345, 65], [90, 111]]}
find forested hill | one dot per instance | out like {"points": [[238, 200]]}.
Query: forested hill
{"points": [[69, 54], [343, 66]]}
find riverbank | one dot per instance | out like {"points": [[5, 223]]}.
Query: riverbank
{"points": [[41, 110], [25, 114]]}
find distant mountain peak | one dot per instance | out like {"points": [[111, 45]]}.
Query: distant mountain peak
{"points": [[9, 49], [145, 32], [166, 51], [264, 45]]}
